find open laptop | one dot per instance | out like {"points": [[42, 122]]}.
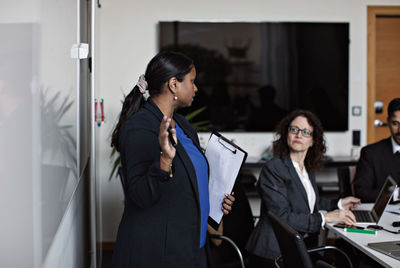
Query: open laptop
{"points": [[390, 248], [381, 202]]}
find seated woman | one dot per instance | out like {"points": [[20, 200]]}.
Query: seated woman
{"points": [[288, 189]]}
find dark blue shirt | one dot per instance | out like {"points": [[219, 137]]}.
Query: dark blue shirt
{"points": [[201, 167]]}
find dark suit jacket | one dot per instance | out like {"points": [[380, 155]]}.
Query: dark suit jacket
{"points": [[377, 161], [160, 226], [283, 194]]}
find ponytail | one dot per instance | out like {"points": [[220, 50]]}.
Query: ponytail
{"points": [[131, 105], [160, 69]]}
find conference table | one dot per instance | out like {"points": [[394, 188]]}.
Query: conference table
{"points": [[361, 240]]}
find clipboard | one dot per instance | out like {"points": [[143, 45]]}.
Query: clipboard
{"points": [[225, 160]]}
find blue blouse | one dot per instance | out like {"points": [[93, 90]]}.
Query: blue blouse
{"points": [[201, 167]]}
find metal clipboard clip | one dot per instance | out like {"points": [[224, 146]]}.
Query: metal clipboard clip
{"points": [[222, 142]]}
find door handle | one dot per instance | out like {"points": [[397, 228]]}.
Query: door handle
{"points": [[379, 123]]}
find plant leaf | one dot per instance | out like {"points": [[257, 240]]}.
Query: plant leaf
{"points": [[193, 114], [115, 166]]}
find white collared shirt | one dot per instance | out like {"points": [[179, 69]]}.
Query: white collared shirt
{"points": [[305, 180], [395, 148]]}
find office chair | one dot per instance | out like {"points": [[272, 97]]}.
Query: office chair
{"points": [[293, 249], [237, 227], [233, 245], [345, 179]]}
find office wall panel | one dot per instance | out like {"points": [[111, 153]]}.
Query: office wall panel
{"points": [[39, 133]]}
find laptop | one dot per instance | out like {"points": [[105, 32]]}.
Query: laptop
{"points": [[391, 248], [381, 202]]}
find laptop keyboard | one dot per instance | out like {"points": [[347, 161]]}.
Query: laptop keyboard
{"points": [[362, 216]]}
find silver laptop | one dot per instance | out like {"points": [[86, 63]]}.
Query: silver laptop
{"points": [[391, 248], [380, 204]]}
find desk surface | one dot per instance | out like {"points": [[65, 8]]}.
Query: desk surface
{"points": [[360, 240]]}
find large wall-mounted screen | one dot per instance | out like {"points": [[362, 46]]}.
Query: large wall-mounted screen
{"points": [[250, 74]]}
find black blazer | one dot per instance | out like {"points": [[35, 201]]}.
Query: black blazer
{"points": [[283, 193], [160, 226], [376, 162]]}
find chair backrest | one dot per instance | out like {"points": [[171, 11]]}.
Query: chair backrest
{"points": [[237, 226], [239, 223], [293, 249]]}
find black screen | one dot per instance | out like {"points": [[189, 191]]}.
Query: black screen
{"points": [[250, 75]]}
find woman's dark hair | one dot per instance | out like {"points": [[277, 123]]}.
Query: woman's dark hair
{"points": [[160, 69], [315, 153]]}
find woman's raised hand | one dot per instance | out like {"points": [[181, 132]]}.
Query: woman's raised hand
{"points": [[168, 150]]}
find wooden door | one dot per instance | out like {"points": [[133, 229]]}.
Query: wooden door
{"points": [[383, 66]]}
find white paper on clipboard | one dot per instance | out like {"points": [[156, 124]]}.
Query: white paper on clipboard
{"points": [[225, 160]]}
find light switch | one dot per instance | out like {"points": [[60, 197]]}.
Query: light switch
{"points": [[356, 111]]}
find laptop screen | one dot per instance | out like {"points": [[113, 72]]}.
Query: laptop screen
{"points": [[383, 198]]}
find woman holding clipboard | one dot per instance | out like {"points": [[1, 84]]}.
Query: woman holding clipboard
{"points": [[164, 223]]}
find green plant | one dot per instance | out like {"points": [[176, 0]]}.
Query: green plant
{"points": [[199, 126]]}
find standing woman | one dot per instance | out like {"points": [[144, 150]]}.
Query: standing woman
{"points": [[288, 189], [164, 223]]}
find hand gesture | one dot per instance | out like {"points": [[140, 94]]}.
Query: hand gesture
{"points": [[168, 151]]}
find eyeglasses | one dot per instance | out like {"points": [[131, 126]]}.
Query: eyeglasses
{"points": [[305, 132]]}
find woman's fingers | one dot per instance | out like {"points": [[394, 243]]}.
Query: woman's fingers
{"points": [[227, 207], [341, 215], [165, 122], [348, 217], [230, 197], [226, 212], [163, 135], [229, 200], [166, 145], [227, 204]]}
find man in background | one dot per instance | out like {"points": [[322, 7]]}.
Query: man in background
{"points": [[378, 160]]}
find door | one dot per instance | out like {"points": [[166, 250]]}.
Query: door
{"points": [[383, 67]]}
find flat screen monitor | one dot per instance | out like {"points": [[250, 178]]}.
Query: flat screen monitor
{"points": [[251, 74]]}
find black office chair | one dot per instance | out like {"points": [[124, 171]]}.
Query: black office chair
{"points": [[237, 227], [293, 249], [235, 249]]}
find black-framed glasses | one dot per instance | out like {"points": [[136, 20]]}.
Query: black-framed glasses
{"points": [[305, 132]]}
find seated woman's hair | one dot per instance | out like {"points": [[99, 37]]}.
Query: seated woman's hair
{"points": [[315, 153]]}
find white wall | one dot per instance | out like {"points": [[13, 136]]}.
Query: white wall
{"points": [[127, 39]]}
